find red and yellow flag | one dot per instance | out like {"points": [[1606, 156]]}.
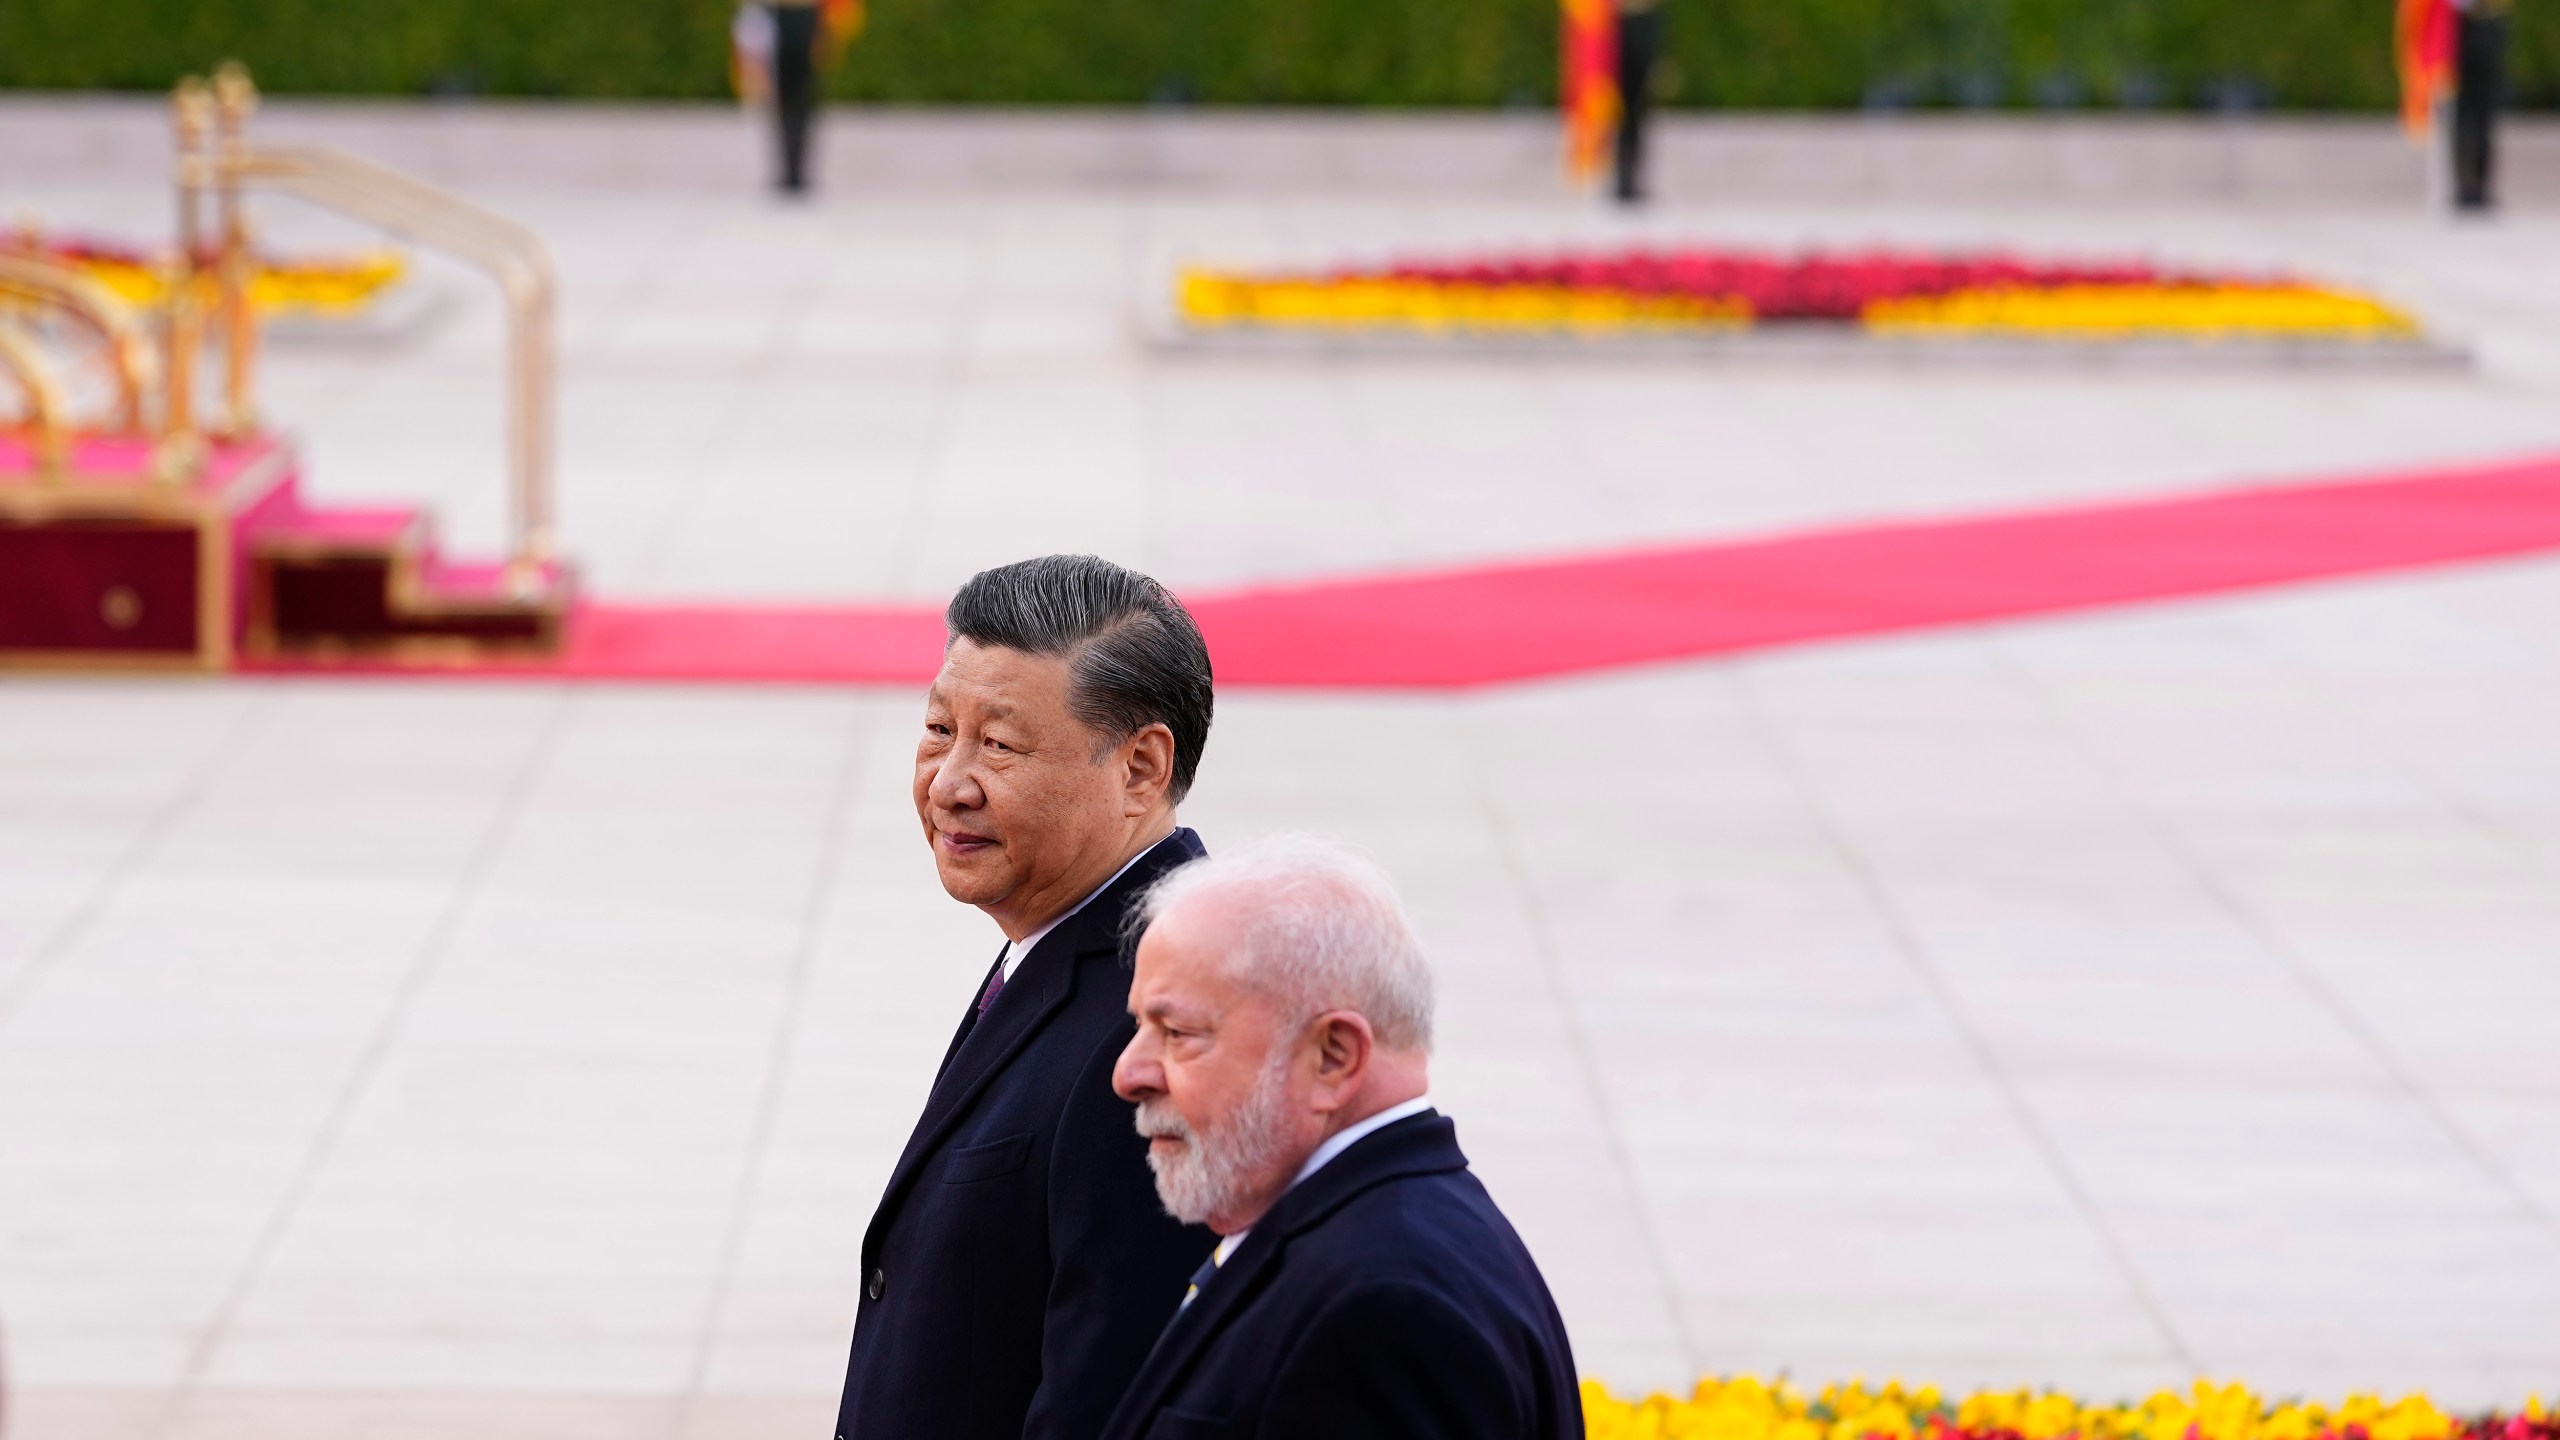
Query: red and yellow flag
{"points": [[838, 22], [2425, 43], [1589, 82]]}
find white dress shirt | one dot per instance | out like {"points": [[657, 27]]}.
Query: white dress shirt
{"points": [[1017, 951]]}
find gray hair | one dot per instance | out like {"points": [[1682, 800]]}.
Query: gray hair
{"points": [[1322, 930], [1136, 656]]}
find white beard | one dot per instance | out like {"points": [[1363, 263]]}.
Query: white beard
{"points": [[1216, 1172]]}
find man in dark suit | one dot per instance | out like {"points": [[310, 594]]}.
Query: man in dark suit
{"points": [[1019, 1265], [1365, 1284]]}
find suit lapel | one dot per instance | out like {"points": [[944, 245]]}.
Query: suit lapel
{"points": [[978, 1052], [1193, 1327], [1041, 988], [996, 1037], [968, 1022]]}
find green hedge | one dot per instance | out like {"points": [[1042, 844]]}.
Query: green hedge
{"points": [[2295, 54]]}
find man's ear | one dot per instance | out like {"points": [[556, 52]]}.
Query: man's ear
{"points": [[1344, 1044], [1150, 767]]}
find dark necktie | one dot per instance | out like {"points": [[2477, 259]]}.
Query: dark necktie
{"points": [[1208, 1269], [995, 983]]}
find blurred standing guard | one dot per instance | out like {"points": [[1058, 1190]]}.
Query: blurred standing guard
{"points": [[781, 51], [1639, 48], [1607, 52], [2479, 88], [2456, 49], [1018, 1265]]}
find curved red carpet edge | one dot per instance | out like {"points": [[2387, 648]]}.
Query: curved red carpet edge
{"points": [[1487, 624]]}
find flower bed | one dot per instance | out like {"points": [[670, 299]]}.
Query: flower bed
{"points": [[1705, 291], [1746, 1408]]}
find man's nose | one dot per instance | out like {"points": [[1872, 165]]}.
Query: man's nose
{"points": [[1135, 1075], [952, 787]]}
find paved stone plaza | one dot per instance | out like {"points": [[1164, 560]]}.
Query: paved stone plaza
{"points": [[2098, 1001]]}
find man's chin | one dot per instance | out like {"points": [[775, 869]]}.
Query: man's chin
{"points": [[974, 877], [1181, 1193]]}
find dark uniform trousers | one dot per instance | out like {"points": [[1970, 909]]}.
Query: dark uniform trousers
{"points": [[795, 87], [1639, 49], [2480, 84]]}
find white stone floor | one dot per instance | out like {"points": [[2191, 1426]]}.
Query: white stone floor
{"points": [[2100, 1001]]}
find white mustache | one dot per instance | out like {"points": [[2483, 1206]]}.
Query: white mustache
{"points": [[1159, 1121]]}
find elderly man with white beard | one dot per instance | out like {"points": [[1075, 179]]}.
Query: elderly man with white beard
{"points": [[1365, 1284]]}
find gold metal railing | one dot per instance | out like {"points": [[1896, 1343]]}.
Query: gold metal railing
{"points": [[215, 167], [48, 434], [216, 163], [41, 285]]}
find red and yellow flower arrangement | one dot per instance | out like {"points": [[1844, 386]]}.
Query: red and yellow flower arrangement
{"points": [[1746, 1408], [1702, 291]]}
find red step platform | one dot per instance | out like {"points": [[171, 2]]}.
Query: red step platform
{"points": [[109, 565]]}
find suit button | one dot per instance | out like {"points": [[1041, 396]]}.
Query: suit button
{"points": [[879, 1281]]}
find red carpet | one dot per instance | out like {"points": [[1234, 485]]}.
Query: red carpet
{"points": [[1487, 624]]}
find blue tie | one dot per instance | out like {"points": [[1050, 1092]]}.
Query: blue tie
{"points": [[1208, 1268]]}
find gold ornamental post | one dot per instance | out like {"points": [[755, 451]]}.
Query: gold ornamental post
{"points": [[182, 324], [235, 98]]}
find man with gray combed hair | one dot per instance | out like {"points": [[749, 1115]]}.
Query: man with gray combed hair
{"points": [[1017, 1264], [1364, 1283]]}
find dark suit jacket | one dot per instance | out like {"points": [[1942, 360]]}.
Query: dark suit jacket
{"points": [[1383, 1297], [1020, 1263]]}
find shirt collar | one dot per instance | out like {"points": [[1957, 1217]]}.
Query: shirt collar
{"points": [[1350, 1135], [1017, 951], [1341, 1140]]}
